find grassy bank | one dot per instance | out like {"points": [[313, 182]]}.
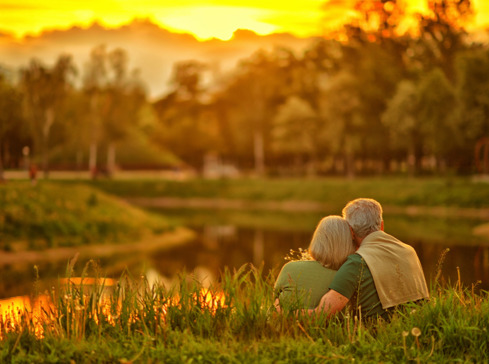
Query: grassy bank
{"points": [[392, 191], [50, 214], [234, 322]]}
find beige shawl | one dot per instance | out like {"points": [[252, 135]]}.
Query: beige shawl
{"points": [[395, 268]]}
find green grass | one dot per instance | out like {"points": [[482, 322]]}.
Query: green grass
{"points": [[51, 214], [148, 324], [390, 191]]}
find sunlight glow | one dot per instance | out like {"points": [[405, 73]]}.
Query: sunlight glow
{"points": [[219, 22], [204, 19], [42, 313]]}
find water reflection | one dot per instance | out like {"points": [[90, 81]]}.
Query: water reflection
{"points": [[232, 239], [268, 248]]}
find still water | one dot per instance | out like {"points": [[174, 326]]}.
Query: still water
{"points": [[233, 238]]}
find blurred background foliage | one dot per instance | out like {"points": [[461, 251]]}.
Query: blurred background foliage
{"points": [[377, 97]]}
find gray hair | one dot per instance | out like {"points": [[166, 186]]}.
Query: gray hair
{"points": [[364, 216], [331, 242]]}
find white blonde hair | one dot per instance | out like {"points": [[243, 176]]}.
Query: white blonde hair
{"points": [[364, 216], [331, 242]]}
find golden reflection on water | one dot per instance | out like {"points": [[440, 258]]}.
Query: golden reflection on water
{"points": [[15, 311], [88, 281], [40, 310], [40, 313]]}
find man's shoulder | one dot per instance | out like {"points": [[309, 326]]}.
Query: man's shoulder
{"points": [[354, 258], [353, 264], [350, 275], [380, 241]]}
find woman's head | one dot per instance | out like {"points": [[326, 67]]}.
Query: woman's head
{"points": [[332, 242]]}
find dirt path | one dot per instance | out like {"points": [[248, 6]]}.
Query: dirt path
{"points": [[157, 242]]}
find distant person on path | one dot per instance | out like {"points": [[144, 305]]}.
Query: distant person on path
{"points": [[302, 283], [33, 174], [383, 273]]}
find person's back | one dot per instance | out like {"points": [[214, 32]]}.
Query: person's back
{"points": [[383, 273], [302, 283], [395, 268]]}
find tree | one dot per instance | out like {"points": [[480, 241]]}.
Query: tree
{"points": [[442, 34], [123, 98], [252, 96], [115, 97], [436, 107], [420, 119], [10, 118], [188, 129], [45, 90], [400, 117], [472, 122], [294, 133], [94, 82], [341, 108]]}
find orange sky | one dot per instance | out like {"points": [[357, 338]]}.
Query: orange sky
{"points": [[204, 19]]}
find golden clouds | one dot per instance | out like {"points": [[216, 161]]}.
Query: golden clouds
{"points": [[204, 19]]}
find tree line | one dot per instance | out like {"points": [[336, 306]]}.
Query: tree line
{"points": [[371, 98]]}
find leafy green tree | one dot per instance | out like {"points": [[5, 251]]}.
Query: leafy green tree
{"points": [[472, 121], [342, 110], [436, 107], [115, 96], [188, 129], [295, 133], [45, 89], [124, 97], [401, 119], [420, 118], [443, 34], [252, 97], [11, 119], [94, 83]]}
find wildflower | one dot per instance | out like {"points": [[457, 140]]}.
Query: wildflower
{"points": [[415, 332]]}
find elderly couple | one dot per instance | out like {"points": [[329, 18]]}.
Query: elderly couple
{"points": [[353, 260]]}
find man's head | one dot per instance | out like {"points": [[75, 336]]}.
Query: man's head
{"points": [[364, 216]]}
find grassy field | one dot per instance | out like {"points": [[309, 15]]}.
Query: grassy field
{"points": [[390, 191], [50, 214], [234, 322]]}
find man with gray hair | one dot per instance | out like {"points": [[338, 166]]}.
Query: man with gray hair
{"points": [[383, 273]]}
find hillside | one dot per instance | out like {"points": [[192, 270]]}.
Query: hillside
{"points": [[51, 215]]}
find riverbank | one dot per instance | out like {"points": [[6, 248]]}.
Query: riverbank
{"points": [[234, 322], [452, 193], [298, 206], [146, 244], [444, 201], [53, 215]]}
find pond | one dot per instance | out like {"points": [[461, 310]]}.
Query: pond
{"points": [[228, 238], [234, 238]]}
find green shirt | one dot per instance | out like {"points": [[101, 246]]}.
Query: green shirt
{"points": [[302, 284], [354, 281]]}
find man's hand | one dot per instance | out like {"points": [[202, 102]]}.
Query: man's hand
{"points": [[332, 302]]}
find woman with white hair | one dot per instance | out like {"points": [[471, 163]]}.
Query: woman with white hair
{"points": [[302, 283]]}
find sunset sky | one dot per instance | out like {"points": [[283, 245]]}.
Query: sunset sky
{"points": [[204, 19]]}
